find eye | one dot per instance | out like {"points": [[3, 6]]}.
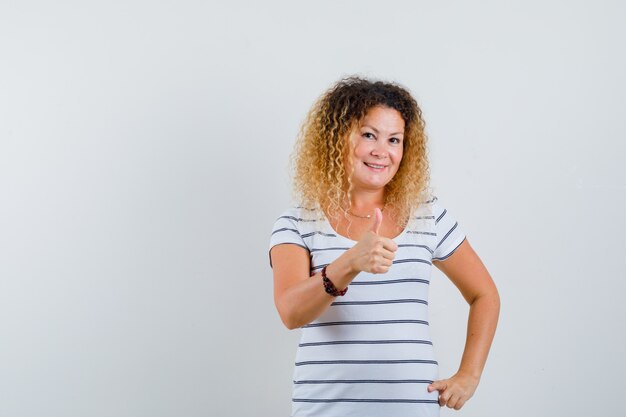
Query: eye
{"points": [[397, 141], [369, 135]]}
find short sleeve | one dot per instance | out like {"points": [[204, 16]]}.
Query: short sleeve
{"points": [[286, 230], [449, 233]]}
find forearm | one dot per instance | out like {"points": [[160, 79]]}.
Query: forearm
{"points": [[307, 300], [481, 328]]}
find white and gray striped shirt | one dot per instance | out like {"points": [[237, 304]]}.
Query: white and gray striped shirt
{"points": [[370, 354]]}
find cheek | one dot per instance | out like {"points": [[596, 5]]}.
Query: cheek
{"points": [[397, 155], [359, 151], [359, 155]]}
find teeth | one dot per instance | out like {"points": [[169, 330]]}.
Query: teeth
{"points": [[374, 166]]}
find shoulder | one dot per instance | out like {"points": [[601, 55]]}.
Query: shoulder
{"points": [[291, 213], [433, 204], [426, 206], [430, 200], [299, 214], [302, 219]]}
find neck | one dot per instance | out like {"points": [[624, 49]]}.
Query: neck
{"points": [[367, 200]]}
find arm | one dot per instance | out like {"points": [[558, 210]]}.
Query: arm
{"points": [[299, 297], [467, 272]]}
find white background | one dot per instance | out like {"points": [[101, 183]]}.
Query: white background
{"points": [[143, 161]]}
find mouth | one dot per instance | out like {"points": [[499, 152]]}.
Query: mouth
{"points": [[375, 167]]}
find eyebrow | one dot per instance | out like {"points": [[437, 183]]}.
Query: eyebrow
{"points": [[376, 130]]}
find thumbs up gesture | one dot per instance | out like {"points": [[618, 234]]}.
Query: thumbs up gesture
{"points": [[378, 220], [374, 253]]}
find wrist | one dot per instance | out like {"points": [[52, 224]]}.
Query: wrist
{"points": [[341, 272], [350, 262], [330, 287], [469, 373]]}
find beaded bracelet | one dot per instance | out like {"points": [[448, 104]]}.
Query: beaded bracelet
{"points": [[330, 287]]}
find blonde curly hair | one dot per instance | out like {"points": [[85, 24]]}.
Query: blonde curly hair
{"points": [[317, 161]]}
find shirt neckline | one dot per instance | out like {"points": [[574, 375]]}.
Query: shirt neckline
{"points": [[330, 227]]}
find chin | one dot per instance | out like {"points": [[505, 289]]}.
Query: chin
{"points": [[375, 185]]}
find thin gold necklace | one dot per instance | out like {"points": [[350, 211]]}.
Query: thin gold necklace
{"points": [[364, 217]]}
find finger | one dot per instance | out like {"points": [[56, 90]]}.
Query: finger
{"points": [[389, 244], [437, 385], [383, 260], [452, 401], [388, 254], [444, 395], [382, 267], [459, 405], [380, 270], [378, 220]]}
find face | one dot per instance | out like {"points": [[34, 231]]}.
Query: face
{"points": [[378, 141]]}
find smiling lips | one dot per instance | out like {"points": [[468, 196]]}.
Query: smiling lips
{"points": [[376, 167]]}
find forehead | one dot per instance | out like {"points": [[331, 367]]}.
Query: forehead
{"points": [[383, 117]]}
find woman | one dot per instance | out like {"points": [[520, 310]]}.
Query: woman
{"points": [[352, 262]]}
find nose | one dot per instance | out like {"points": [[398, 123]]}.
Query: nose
{"points": [[379, 151]]}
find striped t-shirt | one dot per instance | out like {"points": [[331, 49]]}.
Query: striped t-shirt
{"points": [[370, 354]]}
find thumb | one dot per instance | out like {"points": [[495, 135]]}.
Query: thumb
{"points": [[437, 385], [378, 219]]}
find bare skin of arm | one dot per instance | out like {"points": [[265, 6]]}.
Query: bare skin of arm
{"points": [[467, 272], [299, 297]]}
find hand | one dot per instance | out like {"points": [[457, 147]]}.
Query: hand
{"points": [[456, 390], [374, 253]]}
